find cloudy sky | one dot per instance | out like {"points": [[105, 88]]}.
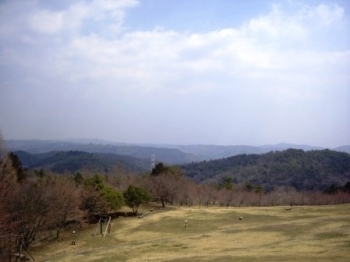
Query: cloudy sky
{"points": [[226, 72]]}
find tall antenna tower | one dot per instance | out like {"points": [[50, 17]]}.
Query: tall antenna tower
{"points": [[153, 160]]}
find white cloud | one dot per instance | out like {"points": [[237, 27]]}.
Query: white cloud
{"points": [[255, 47], [324, 15], [47, 22], [84, 49], [17, 16], [275, 26]]}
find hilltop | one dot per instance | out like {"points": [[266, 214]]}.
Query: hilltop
{"points": [[303, 170]]}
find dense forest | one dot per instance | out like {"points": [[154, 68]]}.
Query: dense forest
{"points": [[73, 161], [302, 170], [310, 170]]}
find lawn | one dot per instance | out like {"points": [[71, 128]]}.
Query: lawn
{"points": [[307, 233]]}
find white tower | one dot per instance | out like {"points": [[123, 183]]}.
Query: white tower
{"points": [[153, 161]]}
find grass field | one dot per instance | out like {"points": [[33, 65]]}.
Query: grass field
{"points": [[307, 233]]}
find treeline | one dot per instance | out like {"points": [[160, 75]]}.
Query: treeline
{"points": [[310, 170], [39, 204]]}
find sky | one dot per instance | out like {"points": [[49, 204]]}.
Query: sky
{"points": [[224, 72]]}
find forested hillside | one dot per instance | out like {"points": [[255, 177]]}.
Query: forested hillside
{"points": [[170, 154], [73, 161], [310, 170], [303, 170], [165, 155]]}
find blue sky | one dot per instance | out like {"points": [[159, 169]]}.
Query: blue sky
{"points": [[176, 72]]}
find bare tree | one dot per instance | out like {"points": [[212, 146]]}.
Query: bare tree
{"points": [[225, 196], [209, 194], [8, 185], [164, 183], [29, 208], [64, 197], [184, 192], [162, 188], [121, 179]]}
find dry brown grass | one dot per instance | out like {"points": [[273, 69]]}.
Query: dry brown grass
{"points": [[319, 233]]}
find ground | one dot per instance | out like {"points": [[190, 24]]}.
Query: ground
{"points": [[307, 233]]}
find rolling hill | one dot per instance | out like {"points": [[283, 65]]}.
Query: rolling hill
{"points": [[169, 154], [73, 161], [166, 155], [307, 170]]}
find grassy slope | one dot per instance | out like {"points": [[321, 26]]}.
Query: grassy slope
{"points": [[320, 233]]}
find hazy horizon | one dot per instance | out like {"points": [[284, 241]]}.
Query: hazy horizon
{"points": [[110, 142], [176, 72]]}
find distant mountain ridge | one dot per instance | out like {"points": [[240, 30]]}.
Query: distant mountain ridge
{"points": [[343, 149], [170, 154], [166, 155], [73, 161], [212, 152]]}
